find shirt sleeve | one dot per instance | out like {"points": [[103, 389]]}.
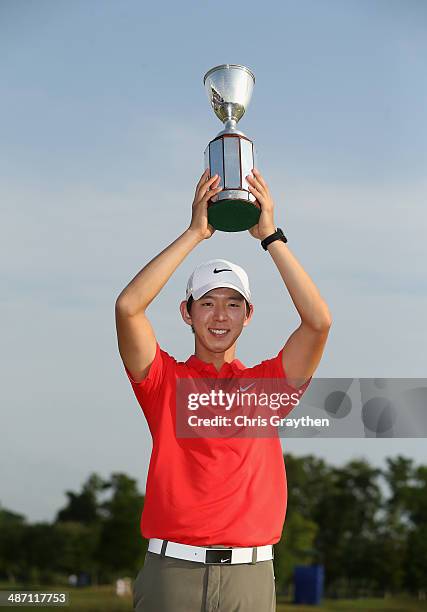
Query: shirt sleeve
{"points": [[148, 390], [273, 370], [276, 366]]}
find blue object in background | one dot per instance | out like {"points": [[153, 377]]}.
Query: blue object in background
{"points": [[308, 581], [83, 579]]}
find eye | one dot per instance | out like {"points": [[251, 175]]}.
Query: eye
{"points": [[235, 304], [206, 303]]}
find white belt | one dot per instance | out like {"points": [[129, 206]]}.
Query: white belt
{"points": [[209, 556]]}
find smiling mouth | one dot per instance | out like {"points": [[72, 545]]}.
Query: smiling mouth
{"points": [[218, 333]]}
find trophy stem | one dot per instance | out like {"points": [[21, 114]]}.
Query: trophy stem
{"points": [[230, 125]]}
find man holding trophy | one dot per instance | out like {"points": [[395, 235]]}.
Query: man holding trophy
{"points": [[214, 507]]}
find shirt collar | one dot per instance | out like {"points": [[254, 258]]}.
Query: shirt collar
{"points": [[202, 366]]}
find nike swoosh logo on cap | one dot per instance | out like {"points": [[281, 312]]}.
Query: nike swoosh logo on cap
{"points": [[222, 270]]}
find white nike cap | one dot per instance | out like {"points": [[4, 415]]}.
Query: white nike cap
{"points": [[218, 273]]}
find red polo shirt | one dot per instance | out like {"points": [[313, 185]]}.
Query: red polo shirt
{"points": [[203, 491]]}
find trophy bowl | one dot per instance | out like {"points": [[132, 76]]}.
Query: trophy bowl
{"points": [[231, 154]]}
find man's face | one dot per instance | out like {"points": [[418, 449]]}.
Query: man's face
{"points": [[218, 318]]}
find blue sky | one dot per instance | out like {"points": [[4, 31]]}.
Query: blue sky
{"points": [[104, 123]]}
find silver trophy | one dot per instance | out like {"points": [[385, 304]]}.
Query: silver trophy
{"points": [[231, 154]]}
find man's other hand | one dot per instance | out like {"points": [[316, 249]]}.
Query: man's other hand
{"points": [[259, 188], [206, 188]]}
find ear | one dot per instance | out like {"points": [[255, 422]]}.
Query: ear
{"points": [[184, 313], [249, 316]]}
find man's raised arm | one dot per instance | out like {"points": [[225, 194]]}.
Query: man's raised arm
{"points": [[304, 347], [136, 338]]}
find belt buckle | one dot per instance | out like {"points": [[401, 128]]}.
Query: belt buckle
{"points": [[222, 556]]}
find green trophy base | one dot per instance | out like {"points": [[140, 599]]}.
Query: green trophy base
{"points": [[233, 215]]}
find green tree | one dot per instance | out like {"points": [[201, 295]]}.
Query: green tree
{"points": [[42, 546], [416, 560], [309, 480], [348, 519], [12, 529], [121, 547], [79, 546], [83, 507], [295, 547], [406, 522]]}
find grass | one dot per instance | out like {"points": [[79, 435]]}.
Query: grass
{"points": [[104, 599], [359, 605]]}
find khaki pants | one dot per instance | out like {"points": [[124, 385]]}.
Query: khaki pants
{"points": [[166, 584]]}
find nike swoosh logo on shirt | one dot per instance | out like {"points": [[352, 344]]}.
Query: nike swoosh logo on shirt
{"points": [[223, 560], [222, 270], [246, 388]]}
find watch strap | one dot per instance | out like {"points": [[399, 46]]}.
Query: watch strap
{"points": [[277, 235]]}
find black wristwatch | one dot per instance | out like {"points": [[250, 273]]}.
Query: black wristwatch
{"points": [[278, 235]]}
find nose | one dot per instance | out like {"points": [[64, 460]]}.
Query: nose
{"points": [[220, 313]]}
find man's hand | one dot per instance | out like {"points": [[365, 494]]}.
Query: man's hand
{"points": [[206, 188], [259, 188]]}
